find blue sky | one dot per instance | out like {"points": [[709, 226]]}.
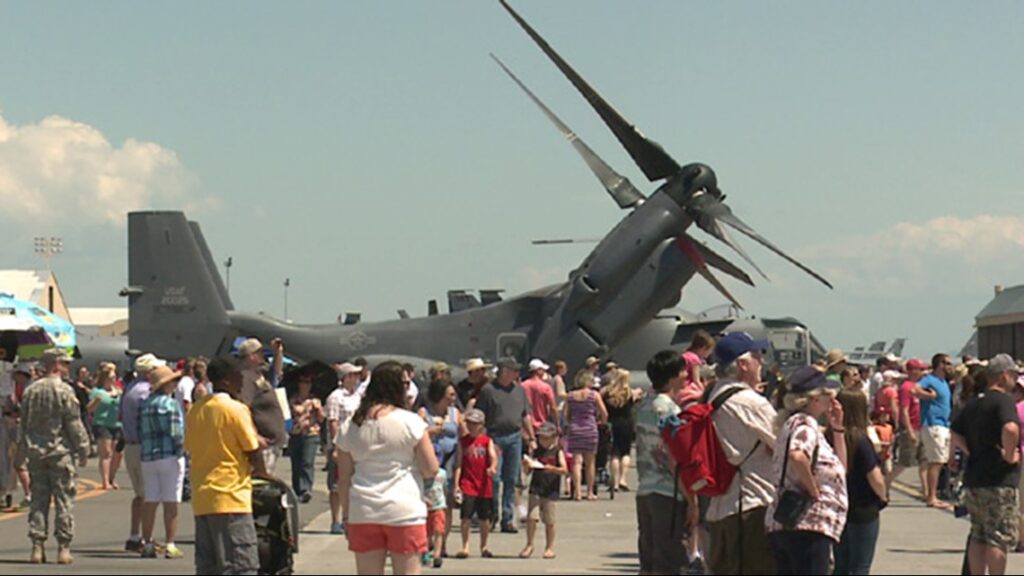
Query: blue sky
{"points": [[373, 153]]}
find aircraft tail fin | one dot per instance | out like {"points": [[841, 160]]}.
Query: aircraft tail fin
{"points": [[177, 302]]}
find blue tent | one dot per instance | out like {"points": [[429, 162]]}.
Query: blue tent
{"points": [[60, 331]]}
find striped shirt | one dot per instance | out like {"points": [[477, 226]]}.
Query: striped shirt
{"points": [[162, 429]]}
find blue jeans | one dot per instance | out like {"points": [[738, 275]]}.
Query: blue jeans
{"points": [[856, 549], [510, 459], [302, 451]]}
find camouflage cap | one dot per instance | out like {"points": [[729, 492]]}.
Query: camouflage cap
{"points": [[54, 355]]}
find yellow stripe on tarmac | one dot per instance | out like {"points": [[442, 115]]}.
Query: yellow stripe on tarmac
{"points": [[92, 490]]}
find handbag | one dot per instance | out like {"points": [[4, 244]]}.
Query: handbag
{"points": [[793, 503]]}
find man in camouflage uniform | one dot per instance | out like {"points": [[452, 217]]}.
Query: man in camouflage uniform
{"points": [[50, 435]]}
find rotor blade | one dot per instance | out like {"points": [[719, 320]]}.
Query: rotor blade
{"points": [[709, 224], [648, 154], [548, 242], [621, 189], [711, 207], [716, 260], [690, 250]]}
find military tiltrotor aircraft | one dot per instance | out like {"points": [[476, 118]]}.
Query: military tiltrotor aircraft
{"points": [[178, 305]]}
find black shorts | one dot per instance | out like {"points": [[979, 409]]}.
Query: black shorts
{"points": [[104, 433], [483, 507]]}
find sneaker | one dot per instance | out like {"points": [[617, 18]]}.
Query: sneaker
{"points": [[149, 550], [25, 502], [427, 559], [173, 551], [133, 546], [509, 529], [337, 528], [438, 562], [305, 497]]}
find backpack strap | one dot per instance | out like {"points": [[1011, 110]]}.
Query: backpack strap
{"points": [[724, 396]]}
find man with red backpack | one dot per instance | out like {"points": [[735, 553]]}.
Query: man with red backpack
{"points": [[744, 425]]}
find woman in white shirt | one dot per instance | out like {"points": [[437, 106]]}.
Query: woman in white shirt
{"points": [[384, 454]]}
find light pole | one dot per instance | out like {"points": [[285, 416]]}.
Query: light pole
{"points": [[227, 268], [47, 248], [287, 283]]}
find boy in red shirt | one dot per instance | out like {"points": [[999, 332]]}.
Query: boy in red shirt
{"points": [[476, 464]]}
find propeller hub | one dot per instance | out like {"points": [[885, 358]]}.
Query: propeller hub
{"points": [[690, 180]]}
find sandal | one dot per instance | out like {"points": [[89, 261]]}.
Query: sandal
{"points": [[527, 552], [462, 555], [486, 554], [549, 554]]}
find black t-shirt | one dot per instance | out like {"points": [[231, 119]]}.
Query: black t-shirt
{"points": [[546, 484], [465, 391], [864, 503], [981, 424], [620, 416]]}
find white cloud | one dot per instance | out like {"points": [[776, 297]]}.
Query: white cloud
{"points": [[948, 254], [72, 166]]}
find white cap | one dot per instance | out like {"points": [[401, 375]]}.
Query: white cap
{"points": [[147, 363], [348, 368], [538, 364], [249, 346]]}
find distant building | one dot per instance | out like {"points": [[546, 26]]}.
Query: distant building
{"points": [[1001, 324], [42, 289], [37, 286]]}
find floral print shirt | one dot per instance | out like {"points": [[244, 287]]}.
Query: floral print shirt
{"points": [[827, 515]]}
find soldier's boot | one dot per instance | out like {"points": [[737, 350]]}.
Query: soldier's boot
{"points": [[64, 554], [38, 553]]}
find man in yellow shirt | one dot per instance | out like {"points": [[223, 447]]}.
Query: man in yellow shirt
{"points": [[225, 450]]}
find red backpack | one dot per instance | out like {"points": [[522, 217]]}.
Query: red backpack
{"points": [[701, 465]]}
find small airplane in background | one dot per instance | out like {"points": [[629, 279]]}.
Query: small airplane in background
{"points": [[608, 307], [871, 354]]}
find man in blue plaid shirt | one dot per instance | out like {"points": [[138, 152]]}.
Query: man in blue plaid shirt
{"points": [[162, 433]]}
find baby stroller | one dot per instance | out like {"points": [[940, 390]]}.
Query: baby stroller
{"points": [[275, 511]]}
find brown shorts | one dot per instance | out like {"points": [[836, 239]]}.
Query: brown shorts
{"points": [[661, 549]]}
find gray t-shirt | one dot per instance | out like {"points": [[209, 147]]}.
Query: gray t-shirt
{"points": [[504, 408]]}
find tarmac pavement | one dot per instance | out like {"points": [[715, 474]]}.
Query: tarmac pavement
{"points": [[592, 538]]}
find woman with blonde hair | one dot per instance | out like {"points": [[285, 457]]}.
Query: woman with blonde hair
{"points": [[807, 517], [620, 398], [104, 400]]}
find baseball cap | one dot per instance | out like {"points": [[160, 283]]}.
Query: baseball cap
{"points": [[538, 364], [892, 375], [736, 344], [249, 346], [475, 415], [916, 363], [808, 379], [1001, 363], [348, 368], [591, 361], [23, 368], [547, 429], [509, 363], [439, 367]]}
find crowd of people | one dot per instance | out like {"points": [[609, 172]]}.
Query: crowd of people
{"points": [[814, 453]]}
